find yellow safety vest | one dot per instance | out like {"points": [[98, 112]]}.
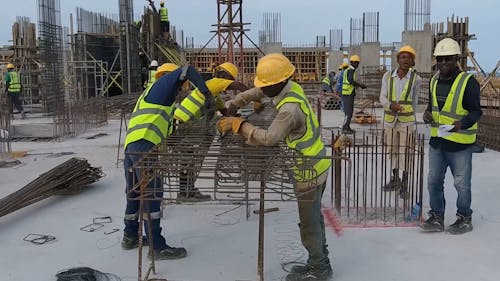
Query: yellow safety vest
{"points": [[406, 100], [190, 107], [326, 81], [347, 88], [452, 110], [163, 14], [151, 78], [149, 121], [310, 143], [15, 82]]}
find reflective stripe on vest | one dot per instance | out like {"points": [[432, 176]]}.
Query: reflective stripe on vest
{"points": [[151, 78], [406, 100], [347, 88], [163, 14], [309, 144], [190, 106], [149, 121], [15, 82], [452, 110], [326, 81]]}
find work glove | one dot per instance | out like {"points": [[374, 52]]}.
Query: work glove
{"points": [[427, 117], [258, 106], [341, 142], [226, 124], [232, 110], [210, 107]]}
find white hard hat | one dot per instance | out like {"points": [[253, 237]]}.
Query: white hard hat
{"points": [[154, 63], [447, 47]]}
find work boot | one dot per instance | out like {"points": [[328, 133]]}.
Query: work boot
{"points": [[394, 183], [311, 273], [403, 192], [461, 225], [132, 242], [169, 253], [435, 223], [300, 268], [193, 196]]}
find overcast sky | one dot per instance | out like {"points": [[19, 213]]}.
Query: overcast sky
{"points": [[301, 21]]}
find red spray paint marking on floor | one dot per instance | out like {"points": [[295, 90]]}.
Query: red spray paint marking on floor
{"points": [[332, 221]]}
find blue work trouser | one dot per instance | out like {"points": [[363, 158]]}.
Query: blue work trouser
{"points": [[312, 226], [460, 164], [152, 207], [15, 101], [348, 104]]}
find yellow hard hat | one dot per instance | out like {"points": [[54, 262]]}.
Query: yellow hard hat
{"points": [[10, 66], [447, 47], [273, 69], [165, 68], [355, 58], [345, 65], [229, 68], [407, 49]]}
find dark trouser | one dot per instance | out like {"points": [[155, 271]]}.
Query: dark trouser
{"points": [[348, 101], [312, 226], [165, 26], [15, 101], [150, 206]]}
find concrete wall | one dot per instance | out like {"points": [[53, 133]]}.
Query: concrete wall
{"points": [[421, 41]]}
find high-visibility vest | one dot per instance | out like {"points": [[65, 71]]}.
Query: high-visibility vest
{"points": [[452, 110], [347, 87], [326, 81], [151, 78], [190, 107], [163, 14], [149, 121], [15, 82], [309, 144], [406, 100]]}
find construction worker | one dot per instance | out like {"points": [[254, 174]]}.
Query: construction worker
{"points": [[190, 108], [296, 123], [453, 111], [349, 84], [151, 122], [13, 89], [338, 86], [151, 77], [399, 96], [165, 24], [328, 83]]}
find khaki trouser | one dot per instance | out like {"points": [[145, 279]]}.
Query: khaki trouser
{"points": [[399, 139]]}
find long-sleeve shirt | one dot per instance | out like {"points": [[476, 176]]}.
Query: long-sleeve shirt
{"points": [[470, 102], [399, 84], [165, 90], [290, 121]]}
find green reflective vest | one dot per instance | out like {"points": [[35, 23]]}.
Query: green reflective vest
{"points": [[347, 87], [151, 79], [326, 81], [310, 144], [406, 100], [149, 121], [452, 110], [163, 14], [15, 82]]}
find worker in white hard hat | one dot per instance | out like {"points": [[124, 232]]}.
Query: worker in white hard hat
{"points": [[151, 74], [297, 125], [399, 97], [13, 88], [453, 112], [349, 84]]}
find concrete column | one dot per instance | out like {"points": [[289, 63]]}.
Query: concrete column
{"points": [[421, 41], [370, 57], [335, 59], [269, 48]]}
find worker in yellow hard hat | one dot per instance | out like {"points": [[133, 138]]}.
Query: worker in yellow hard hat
{"points": [[150, 123], [453, 112], [165, 23], [349, 84], [399, 97], [13, 88], [297, 125], [190, 108]]}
